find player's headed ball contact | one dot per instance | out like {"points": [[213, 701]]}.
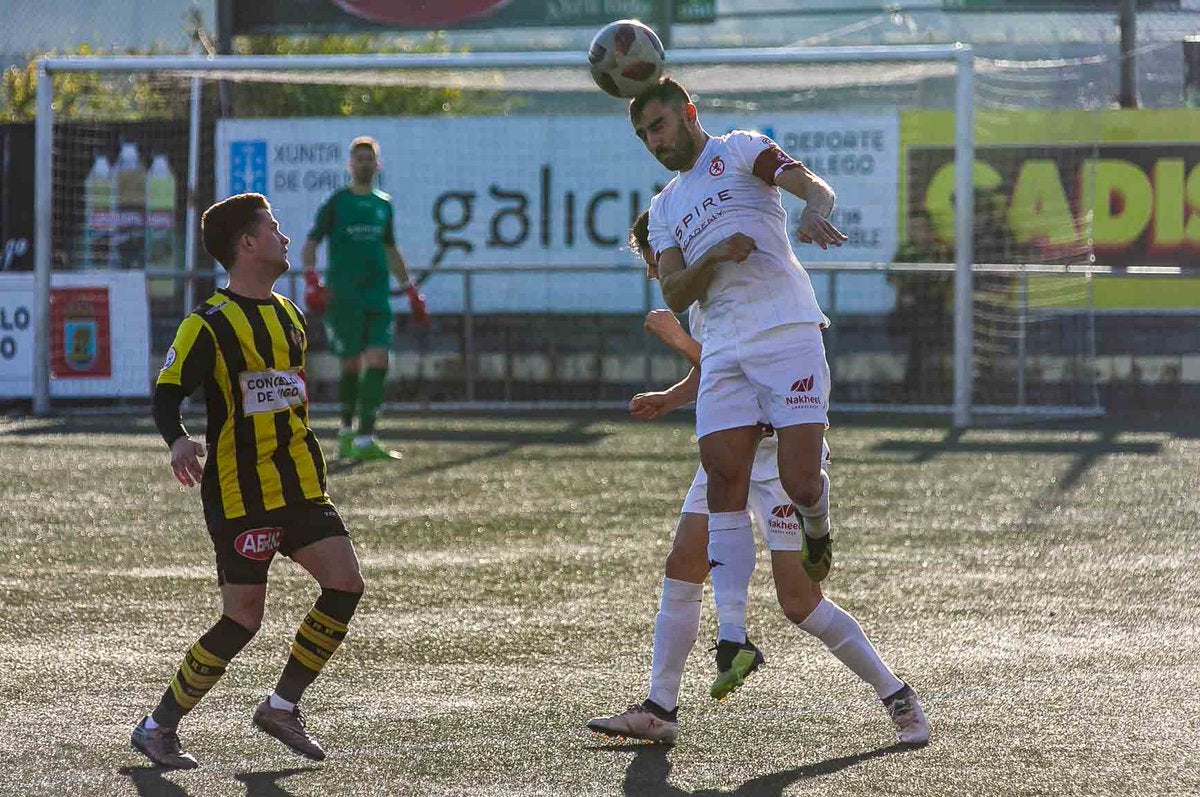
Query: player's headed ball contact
{"points": [[626, 57]]}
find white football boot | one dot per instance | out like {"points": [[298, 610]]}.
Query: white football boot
{"points": [[645, 721], [909, 718]]}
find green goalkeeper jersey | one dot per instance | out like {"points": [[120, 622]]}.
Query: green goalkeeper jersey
{"points": [[359, 228]]}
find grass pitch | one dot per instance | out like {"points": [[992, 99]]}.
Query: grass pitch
{"points": [[1037, 586]]}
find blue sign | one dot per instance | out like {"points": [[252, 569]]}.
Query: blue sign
{"points": [[248, 167]]}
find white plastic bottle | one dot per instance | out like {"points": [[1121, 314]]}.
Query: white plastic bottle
{"points": [[96, 250]]}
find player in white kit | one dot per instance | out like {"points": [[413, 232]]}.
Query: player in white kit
{"points": [[764, 359], [677, 623]]}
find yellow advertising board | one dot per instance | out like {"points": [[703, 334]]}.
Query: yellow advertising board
{"points": [[1120, 185]]}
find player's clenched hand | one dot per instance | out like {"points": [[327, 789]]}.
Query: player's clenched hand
{"points": [[736, 247], [663, 325], [648, 406], [186, 454], [816, 229]]}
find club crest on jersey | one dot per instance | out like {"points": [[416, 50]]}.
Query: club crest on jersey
{"points": [[784, 520], [716, 167], [297, 336], [258, 544]]}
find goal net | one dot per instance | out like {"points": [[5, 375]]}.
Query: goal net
{"points": [[514, 181]]}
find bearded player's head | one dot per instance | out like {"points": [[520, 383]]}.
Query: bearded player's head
{"points": [[364, 160], [664, 118], [243, 236]]}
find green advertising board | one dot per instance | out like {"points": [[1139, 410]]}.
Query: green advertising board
{"points": [[695, 10]]}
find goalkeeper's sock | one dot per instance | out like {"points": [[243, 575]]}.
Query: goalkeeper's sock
{"points": [[731, 562], [676, 627], [846, 640], [370, 397], [200, 670], [348, 395]]}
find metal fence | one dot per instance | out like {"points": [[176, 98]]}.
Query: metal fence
{"points": [[1039, 343]]}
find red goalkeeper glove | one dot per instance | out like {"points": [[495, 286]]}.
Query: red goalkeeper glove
{"points": [[316, 296], [416, 303]]}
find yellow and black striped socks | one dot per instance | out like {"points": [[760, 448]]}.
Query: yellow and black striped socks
{"points": [[200, 670], [318, 637]]}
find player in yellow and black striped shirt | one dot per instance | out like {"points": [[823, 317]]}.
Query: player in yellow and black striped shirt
{"points": [[263, 484]]}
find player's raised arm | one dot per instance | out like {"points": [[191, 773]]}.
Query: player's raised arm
{"points": [[655, 404], [814, 226], [681, 286], [663, 325]]}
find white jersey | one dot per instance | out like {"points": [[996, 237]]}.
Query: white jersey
{"points": [[766, 460], [731, 188]]}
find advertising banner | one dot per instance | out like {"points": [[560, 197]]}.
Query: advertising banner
{"points": [[1124, 184], [99, 330], [17, 307], [520, 192]]}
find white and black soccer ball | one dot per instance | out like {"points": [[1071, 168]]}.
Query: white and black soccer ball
{"points": [[625, 58]]}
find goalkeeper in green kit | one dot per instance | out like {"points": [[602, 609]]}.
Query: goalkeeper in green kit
{"points": [[357, 220]]}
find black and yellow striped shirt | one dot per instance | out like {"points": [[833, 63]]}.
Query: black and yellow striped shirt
{"points": [[249, 356]]}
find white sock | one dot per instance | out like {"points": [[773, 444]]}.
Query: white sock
{"points": [[278, 702], [816, 517], [731, 557], [844, 638], [150, 723], [676, 627], [363, 440]]}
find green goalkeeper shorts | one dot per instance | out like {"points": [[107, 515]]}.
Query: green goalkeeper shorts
{"points": [[353, 328]]}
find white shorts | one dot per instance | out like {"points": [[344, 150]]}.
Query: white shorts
{"points": [[779, 376], [772, 511]]}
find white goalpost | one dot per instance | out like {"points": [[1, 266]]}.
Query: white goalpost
{"points": [[956, 59]]}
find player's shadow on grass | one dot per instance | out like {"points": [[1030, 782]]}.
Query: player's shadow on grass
{"points": [[149, 781], [648, 773], [1086, 452], [266, 784], [575, 433]]}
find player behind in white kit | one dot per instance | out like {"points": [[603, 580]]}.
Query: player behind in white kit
{"points": [[677, 623]]}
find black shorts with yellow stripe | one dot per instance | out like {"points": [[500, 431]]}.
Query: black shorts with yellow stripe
{"points": [[246, 546]]}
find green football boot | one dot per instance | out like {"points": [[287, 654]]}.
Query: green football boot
{"points": [[373, 452], [734, 663], [817, 556]]}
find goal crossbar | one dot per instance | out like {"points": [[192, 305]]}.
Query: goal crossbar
{"points": [[961, 55]]}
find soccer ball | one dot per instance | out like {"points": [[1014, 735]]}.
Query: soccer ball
{"points": [[625, 57]]}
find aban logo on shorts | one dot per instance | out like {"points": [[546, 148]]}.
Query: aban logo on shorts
{"points": [[258, 544], [784, 520]]}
